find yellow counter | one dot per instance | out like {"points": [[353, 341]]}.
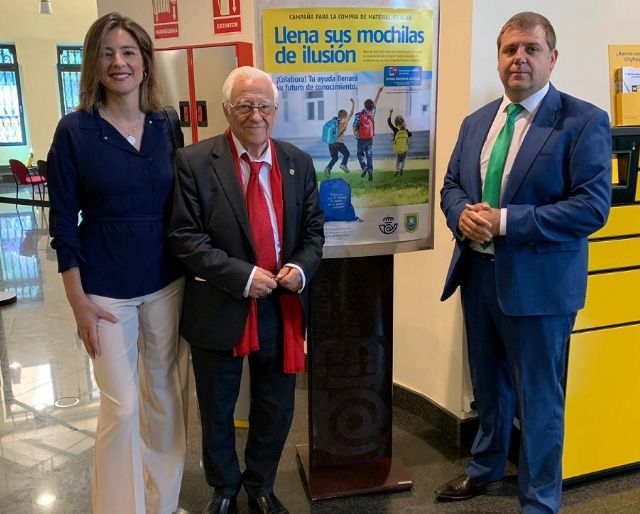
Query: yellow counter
{"points": [[602, 431]]}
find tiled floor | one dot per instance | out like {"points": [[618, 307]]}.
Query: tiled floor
{"points": [[46, 450]]}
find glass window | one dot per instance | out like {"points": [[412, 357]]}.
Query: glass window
{"points": [[69, 61], [311, 111], [283, 100], [11, 118], [315, 105]]}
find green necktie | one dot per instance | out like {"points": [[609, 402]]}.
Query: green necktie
{"points": [[499, 152]]}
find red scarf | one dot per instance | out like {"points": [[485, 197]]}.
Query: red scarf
{"points": [[290, 305]]}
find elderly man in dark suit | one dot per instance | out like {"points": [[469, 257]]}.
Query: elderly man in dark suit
{"points": [[248, 226], [528, 181]]}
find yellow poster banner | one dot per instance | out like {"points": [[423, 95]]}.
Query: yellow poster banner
{"points": [[345, 39], [356, 92]]}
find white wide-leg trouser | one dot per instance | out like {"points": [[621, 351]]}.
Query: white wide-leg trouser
{"points": [[142, 374]]}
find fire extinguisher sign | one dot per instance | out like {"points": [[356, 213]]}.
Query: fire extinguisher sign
{"points": [[165, 18], [226, 16]]}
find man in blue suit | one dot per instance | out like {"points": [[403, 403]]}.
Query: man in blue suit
{"points": [[526, 184]]}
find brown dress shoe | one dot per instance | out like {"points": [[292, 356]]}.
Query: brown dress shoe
{"points": [[463, 488], [267, 504], [221, 505]]}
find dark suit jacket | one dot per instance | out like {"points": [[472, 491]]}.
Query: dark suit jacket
{"points": [[210, 233], [558, 192]]}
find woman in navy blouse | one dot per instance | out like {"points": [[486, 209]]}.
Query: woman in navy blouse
{"points": [[111, 162]]}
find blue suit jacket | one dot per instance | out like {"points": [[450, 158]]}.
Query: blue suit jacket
{"points": [[558, 192]]}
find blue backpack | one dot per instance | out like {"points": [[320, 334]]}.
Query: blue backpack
{"points": [[330, 131], [335, 200]]}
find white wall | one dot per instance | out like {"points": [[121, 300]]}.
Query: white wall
{"points": [[195, 21], [429, 341], [429, 355], [36, 37], [584, 29], [429, 349]]}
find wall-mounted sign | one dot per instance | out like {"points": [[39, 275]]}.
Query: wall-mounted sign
{"points": [[165, 19], [201, 113], [185, 114], [226, 16]]}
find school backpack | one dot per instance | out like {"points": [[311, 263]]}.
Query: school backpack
{"points": [[335, 200], [401, 141], [363, 125], [330, 131]]}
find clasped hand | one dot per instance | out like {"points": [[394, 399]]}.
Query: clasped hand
{"points": [[479, 222], [264, 282]]}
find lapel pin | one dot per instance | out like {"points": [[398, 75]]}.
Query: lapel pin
{"points": [[292, 172]]}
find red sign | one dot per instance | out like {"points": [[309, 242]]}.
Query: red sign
{"points": [[226, 16], [165, 18]]}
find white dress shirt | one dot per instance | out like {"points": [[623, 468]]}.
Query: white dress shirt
{"points": [[522, 124], [265, 184]]}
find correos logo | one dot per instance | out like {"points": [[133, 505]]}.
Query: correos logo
{"points": [[388, 225]]}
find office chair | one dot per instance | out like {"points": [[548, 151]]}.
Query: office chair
{"points": [[42, 168]]}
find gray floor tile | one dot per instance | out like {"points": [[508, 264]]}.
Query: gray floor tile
{"points": [[46, 451]]}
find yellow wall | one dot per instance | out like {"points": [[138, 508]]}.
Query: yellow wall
{"points": [[36, 37]]}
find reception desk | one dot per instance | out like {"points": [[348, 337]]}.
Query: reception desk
{"points": [[603, 375]]}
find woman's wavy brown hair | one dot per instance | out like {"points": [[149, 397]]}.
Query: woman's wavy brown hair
{"points": [[92, 92]]}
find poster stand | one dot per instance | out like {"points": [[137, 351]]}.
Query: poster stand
{"points": [[350, 351]]}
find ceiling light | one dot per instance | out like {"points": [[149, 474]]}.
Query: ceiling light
{"points": [[15, 372], [67, 401], [45, 7], [46, 499]]}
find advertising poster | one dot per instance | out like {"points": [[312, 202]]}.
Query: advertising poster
{"points": [[165, 19], [355, 92], [624, 84]]}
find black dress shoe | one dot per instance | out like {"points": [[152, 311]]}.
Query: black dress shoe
{"points": [[219, 504], [463, 488], [268, 504]]}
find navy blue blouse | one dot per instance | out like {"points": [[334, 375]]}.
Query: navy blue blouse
{"points": [[124, 198]]}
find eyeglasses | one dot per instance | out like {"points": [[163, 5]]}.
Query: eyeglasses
{"points": [[246, 108]]}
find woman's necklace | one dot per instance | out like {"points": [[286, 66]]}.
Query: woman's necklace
{"points": [[132, 130]]}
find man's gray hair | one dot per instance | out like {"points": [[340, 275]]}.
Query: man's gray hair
{"points": [[246, 72]]}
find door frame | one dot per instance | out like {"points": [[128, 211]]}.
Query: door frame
{"points": [[244, 57]]}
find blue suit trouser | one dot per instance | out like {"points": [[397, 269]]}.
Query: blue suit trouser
{"points": [[517, 367]]}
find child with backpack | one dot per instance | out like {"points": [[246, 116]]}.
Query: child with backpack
{"points": [[333, 134], [363, 129], [401, 137]]}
